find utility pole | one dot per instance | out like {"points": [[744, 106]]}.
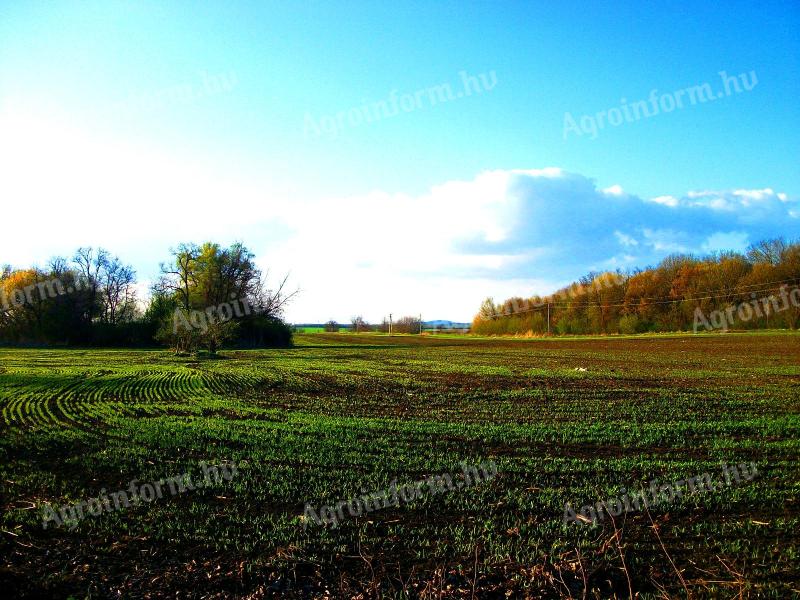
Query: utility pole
{"points": [[548, 318], [420, 323], [390, 323]]}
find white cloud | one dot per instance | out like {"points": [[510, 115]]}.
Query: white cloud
{"points": [[734, 240], [665, 240], [756, 195], [666, 200], [625, 239]]}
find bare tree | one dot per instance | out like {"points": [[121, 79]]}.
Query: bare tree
{"points": [[407, 325], [268, 302], [488, 309], [107, 282], [768, 251], [359, 324], [117, 287], [89, 264]]}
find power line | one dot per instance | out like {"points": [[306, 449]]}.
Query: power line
{"points": [[654, 301]]}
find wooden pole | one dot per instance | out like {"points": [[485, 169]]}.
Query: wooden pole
{"points": [[548, 318]]}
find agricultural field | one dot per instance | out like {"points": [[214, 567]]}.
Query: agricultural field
{"points": [[342, 415]]}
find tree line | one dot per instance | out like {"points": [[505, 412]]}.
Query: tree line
{"points": [[359, 325], [206, 297], [672, 296]]}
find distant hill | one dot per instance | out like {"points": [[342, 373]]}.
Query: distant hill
{"points": [[445, 324]]}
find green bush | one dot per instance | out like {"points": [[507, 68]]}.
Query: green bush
{"points": [[629, 324]]}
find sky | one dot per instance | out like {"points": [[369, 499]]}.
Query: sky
{"points": [[410, 159]]}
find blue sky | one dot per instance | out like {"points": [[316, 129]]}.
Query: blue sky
{"points": [[138, 125]]}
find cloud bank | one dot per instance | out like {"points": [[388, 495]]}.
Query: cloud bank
{"points": [[510, 232]]}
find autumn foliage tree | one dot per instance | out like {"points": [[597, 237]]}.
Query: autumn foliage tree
{"points": [[68, 302], [663, 298]]}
